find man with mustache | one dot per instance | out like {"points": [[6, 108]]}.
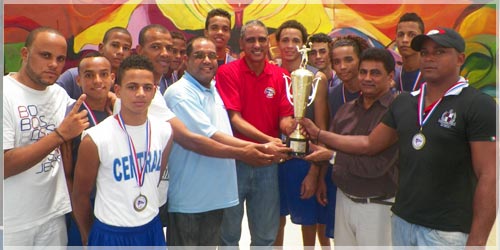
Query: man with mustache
{"points": [[34, 131], [253, 91]]}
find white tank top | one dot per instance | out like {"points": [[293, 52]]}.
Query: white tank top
{"points": [[117, 187]]}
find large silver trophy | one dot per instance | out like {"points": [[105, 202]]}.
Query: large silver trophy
{"points": [[300, 93]]}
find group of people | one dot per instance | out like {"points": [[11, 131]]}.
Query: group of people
{"points": [[183, 135]]}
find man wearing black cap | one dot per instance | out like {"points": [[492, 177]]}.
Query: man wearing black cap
{"points": [[446, 137]]}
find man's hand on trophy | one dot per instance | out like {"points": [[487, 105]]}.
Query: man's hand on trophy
{"points": [[318, 154], [276, 148], [309, 129], [254, 156]]}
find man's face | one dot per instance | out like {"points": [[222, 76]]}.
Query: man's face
{"points": [[319, 56], [178, 52], [117, 47], [95, 77], [202, 63], [44, 60], [374, 80], [219, 31], [345, 63], [255, 44], [437, 62], [405, 33], [158, 48], [136, 91], [290, 38]]}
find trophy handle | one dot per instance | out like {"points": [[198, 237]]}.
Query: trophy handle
{"points": [[314, 87], [288, 84]]}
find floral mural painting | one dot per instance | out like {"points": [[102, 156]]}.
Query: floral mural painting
{"points": [[84, 24]]}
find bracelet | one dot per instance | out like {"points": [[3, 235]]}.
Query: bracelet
{"points": [[59, 134], [317, 136]]}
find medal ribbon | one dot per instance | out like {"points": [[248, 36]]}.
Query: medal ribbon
{"points": [[227, 58], [91, 113], [421, 120], [174, 76], [140, 173], [330, 82], [343, 93], [414, 84]]}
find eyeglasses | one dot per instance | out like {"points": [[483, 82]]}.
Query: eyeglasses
{"points": [[203, 55]]}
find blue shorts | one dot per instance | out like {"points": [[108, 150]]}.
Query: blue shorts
{"points": [[308, 211], [149, 234]]}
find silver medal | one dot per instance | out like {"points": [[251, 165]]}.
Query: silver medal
{"points": [[140, 203]]}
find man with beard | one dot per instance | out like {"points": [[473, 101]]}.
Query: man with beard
{"points": [[34, 128]]}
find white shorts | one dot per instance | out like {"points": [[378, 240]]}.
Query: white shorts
{"points": [[51, 233]]}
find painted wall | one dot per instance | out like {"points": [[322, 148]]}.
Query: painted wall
{"points": [[84, 24]]}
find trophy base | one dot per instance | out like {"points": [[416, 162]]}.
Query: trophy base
{"points": [[300, 147]]}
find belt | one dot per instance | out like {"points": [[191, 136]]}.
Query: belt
{"points": [[377, 200]]}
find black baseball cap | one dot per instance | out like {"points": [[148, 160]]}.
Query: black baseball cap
{"points": [[445, 37]]}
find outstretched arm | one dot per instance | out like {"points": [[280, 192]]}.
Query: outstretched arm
{"points": [[379, 139]]}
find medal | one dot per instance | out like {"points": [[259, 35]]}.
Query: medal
{"points": [[418, 141], [140, 203]]}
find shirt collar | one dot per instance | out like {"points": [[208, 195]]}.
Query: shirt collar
{"points": [[267, 69], [456, 91], [197, 84], [385, 100]]}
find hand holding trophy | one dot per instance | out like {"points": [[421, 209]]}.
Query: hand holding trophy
{"points": [[300, 93]]}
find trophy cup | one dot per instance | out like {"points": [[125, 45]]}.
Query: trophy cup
{"points": [[300, 93]]}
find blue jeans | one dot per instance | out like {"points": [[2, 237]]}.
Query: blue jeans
{"points": [[408, 234], [258, 186]]}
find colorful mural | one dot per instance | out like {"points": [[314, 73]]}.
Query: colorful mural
{"points": [[84, 24]]}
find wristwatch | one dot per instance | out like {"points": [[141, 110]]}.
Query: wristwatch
{"points": [[332, 160]]}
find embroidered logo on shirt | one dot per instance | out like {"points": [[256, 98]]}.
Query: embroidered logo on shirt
{"points": [[448, 118], [269, 92]]}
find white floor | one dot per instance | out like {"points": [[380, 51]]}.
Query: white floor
{"points": [[292, 239]]}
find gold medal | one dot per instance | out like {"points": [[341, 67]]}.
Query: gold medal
{"points": [[418, 141]]}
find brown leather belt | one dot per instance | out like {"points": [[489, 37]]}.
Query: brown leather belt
{"points": [[377, 200]]}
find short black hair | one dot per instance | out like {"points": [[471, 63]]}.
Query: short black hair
{"points": [[379, 55], [90, 55], [157, 27], [117, 29], [292, 24], [177, 35], [32, 35], [320, 38], [133, 62], [413, 17], [217, 12]]}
